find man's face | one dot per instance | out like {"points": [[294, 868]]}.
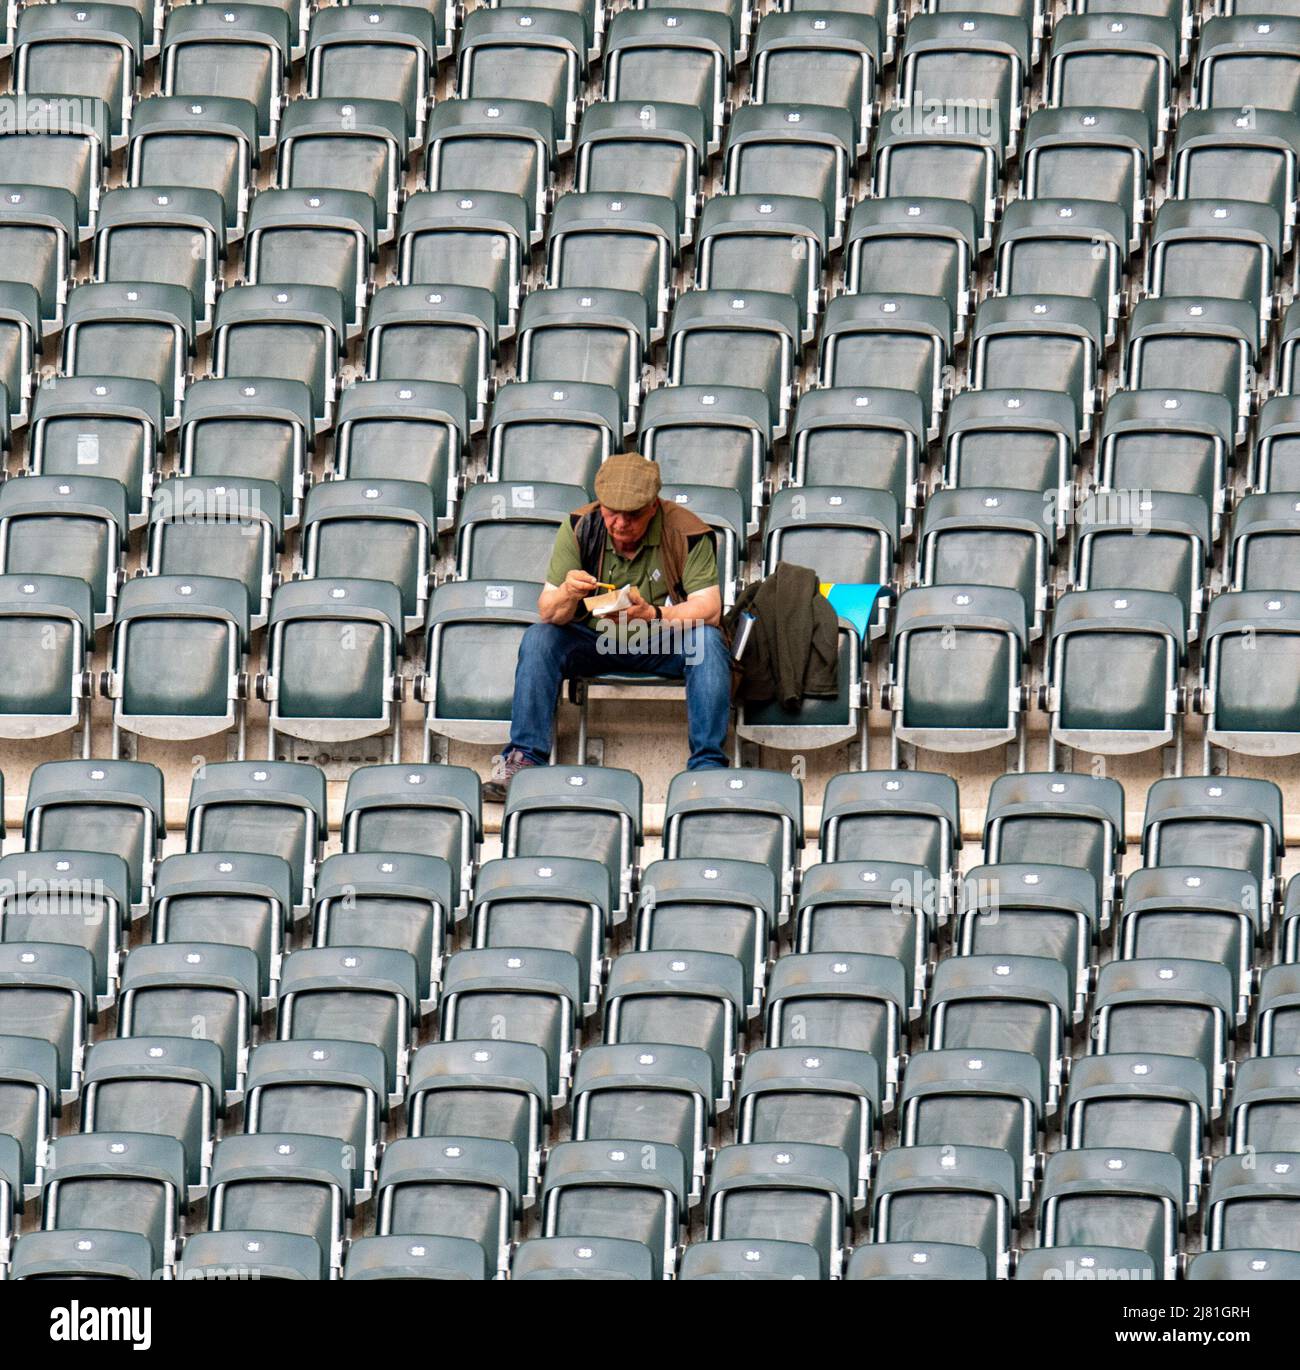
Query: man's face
{"points": [[627, 530]]}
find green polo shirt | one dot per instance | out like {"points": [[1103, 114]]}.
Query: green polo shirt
{"points": [[643, 570]]}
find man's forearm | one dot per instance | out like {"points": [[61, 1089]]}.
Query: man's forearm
{"points": [[693, 611], [554, 606]]}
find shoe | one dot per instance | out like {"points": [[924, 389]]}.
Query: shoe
{"points": [[494, 790]]}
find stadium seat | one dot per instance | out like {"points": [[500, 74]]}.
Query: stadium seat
{"points": [[387, 900], [582, 1258], [380, 530], [165, 1086], [70, 898], [335, 1088], [83, 1255], [1181, 1008], [250, 1255], [743, 1259], [1249, 59], [61, 142], [1115, 1196], [415, 1258], [420, 810], [652, 1094], [1289, 930], [899, 341], [47, 995], [118, 1182], [1272, 459], [29, 1102], [39, 237], [1277, 1021], [239, 899], [1254, 1199], [636, 1189], [1259, 1263], [488, 1088], [290, 1183], [1248, 698], [1265, 1096], [208, 143], [20, 350], [533, 995], [412, 430], [47, 628], [211, 525], [480, 239], [541, 430], [1148, 1100], [275, 808], [1262, 550], [680, 998], [508, 528], [109, 806], [723, 510], [958, 1195], [916, 1261]]}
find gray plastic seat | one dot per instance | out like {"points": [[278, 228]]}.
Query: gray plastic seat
{"points": [[717, 435], [381, 530], [1159, 542], [404, 430], [750, 1259], [916, 1261], [1211, 342], [260, 429], [387, 900], [1277, 1027], [251, 1255], [294, 1184], [581, 1258], [509, 527], [847, 535], [724, 511], [925, 245], [1073, 820], [167, 1086], [39, 236], [275, 808], [1177, 1007], [723, 906], [957, 657], [211, 525], [1265, 1100], [1114, 1196], [477, 626], [1067, 246], [317, 692], [644, 147], [1144, 1100], [61, 142], [1263, 546], [540, 430], [353, 146], [20, 348], [206, 143], [420, 810], [349, 54], [70, 898], [958, 1195], [617, 1189], [897, 340], [1247, 1263], [415, 1258], [1088, 1263], [445, 334], [1115, 668], [962, 57], [948, 144], [1057, 339], [488, 1088], [1033, 909], [332, 1089], [1008, 1002], [497, 145], [29, 1102], [47, 629], [109, 806], [868, 437], [1247, 59], [93, 50], [479, 239], [165, 987], [752, 340], [179, 644], [682, 57], [801, 1192], [1289, 931], [270, 332], [242, 57], [1120, 63], [1099, 154], [597, 336], [47, 996], [1249, 699], [1273, 456], [802, 149], [118, 1182], [323, 238], [994, 1099], [234, 898], [89, 1254]]}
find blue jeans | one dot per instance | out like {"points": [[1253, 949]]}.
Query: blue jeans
{"points": [[550, 653]]}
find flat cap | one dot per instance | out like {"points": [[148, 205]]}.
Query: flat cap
{"points": [[627, 482]]}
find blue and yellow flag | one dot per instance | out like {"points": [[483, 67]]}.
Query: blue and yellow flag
{"points": [[853, 602]]}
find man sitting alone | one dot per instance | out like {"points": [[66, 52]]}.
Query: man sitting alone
{"points": [[666, 555]]}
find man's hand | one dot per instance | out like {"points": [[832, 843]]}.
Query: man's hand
{"points": [[579, 584]]}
